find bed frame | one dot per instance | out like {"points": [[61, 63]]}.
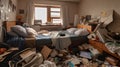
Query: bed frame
{"points": [[8, 25]]}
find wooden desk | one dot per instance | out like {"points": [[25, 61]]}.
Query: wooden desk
{"points": [[101, 47]]}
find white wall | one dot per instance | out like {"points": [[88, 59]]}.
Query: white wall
{"points": [[95, 7], [73, 7], [10, 15], [22, 4]]}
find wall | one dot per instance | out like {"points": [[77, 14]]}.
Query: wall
{"points": [[7, 15], [73, 7], [95, 7], [22, 5], [12, 15]]}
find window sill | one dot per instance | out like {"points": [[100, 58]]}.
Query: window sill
{"points": [[51, 25]]}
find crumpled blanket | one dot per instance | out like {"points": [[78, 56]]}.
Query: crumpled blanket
{"points": [[60, 42], [30, 42]]}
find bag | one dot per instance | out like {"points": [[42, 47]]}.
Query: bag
{"points": [[26, 58]]}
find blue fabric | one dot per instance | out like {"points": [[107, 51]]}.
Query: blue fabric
{"points": [[42, 40], [17, 42]]}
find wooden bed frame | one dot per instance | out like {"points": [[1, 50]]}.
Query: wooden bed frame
{"points": [[29, 42], [8, 25]]}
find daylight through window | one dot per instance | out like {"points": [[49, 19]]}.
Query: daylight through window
{"points": [[48, 14]]}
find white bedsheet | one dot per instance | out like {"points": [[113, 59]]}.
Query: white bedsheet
{"points": [[60, 42]]}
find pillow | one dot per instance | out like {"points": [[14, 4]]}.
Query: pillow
{"points": [[71, 30], [19, 30], [11, 33], [43, 31], [81, 32], [31, 31], [36, 27]]}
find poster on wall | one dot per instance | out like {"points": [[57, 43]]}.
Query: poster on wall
{"points": [[2, 9], [5, 10], [11, 6], [6, 7]]}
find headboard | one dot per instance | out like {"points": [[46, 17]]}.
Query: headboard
{"points": [[9, 24]]}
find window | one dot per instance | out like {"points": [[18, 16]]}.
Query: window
{"points": [[48, 14], [55, 15], [41, 14]]}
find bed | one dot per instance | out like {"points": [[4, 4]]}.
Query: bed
{"points": [[58, 39], [12, 41]]}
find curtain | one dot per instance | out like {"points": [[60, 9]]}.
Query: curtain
{"points": [[30, 12], [65, 15], [76, 20]]}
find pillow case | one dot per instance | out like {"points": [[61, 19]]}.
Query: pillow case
{"points": [[31, 31], [11, 33], [19, 30], [71, 30], [81, 32], [36, 27]]}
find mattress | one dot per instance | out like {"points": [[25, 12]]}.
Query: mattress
{"points": [[60, 41]]}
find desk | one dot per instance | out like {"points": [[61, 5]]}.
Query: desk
{"points": [[101, 47]]}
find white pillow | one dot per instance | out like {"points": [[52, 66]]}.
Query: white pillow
{"points": [[31, 31], [81, 32], [19, 30], [71, 30]]}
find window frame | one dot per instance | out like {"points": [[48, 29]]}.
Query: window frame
{"points": [[49, 18]]}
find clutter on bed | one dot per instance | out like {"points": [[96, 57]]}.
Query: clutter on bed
{"points": [[78, 31], [26, 32], [88, 27], [71, 30]]}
